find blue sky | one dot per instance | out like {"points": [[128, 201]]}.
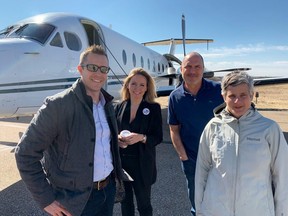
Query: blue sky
{"points": [[246, 33]]}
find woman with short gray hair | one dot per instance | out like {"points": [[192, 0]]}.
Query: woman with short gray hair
{"points": [[242, 159]]}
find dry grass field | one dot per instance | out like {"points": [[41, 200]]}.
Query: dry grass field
{"points": [[271, 97]]}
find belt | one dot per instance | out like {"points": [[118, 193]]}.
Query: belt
{"points": [[99, 185]]}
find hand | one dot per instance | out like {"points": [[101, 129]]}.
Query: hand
{"points": [[132, 138], [183, 158], [56, 209], [121, 142]]}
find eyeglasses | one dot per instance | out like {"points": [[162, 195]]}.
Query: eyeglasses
{"points": [[94, 68]]}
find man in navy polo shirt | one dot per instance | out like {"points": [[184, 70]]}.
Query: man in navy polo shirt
{"points": [[190, 108]]}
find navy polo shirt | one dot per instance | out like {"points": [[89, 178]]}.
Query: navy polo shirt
{"points": [[192, 113]]}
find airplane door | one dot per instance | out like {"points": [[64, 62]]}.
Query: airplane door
{"points": [[92, 34]]}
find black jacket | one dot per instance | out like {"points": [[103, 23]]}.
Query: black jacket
{"points": [[62, 136], [149, 122]]}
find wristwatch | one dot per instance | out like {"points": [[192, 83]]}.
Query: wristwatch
{"points": [[144, 138]]}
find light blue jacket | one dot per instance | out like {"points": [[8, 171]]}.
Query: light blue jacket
{"points": [[242, 167]]}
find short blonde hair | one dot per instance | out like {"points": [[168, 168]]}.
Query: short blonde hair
{"points": [[150, 94]]}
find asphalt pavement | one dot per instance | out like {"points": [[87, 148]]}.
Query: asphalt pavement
{"points": [[169, 194]]}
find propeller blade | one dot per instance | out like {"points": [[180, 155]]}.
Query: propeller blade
{"points": [[183, 34]]}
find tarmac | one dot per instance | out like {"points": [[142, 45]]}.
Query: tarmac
{"points": [[169, 194]]}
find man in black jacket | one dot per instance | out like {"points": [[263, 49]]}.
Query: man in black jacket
{"points": [[69, 157]]}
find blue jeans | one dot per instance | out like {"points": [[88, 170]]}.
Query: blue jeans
{"points": [[189, 168], [101, 202]]}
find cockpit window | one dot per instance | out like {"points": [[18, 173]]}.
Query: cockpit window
{"points": [[56, 41], [72, 41], [35, 31], [5, 32]]}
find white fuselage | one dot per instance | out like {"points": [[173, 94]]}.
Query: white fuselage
{"points": [[36, 63]]}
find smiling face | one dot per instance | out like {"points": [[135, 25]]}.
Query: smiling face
{"points": [[238, 99], [192, 69], [137, 87], [93, 81]]}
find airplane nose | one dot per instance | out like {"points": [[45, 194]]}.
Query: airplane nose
{"points": [[15, 53]]}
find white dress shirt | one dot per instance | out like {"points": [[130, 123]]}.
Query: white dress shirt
{"points": [[103, 165]]}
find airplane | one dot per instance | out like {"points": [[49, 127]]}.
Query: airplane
{"points": [[39, 57]]}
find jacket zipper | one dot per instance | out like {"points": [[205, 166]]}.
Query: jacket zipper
{"points": [[236, 171]]}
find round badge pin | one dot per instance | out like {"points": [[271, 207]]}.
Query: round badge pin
{"points": [[146, 111]]}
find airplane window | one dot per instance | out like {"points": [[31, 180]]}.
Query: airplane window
{"points": [[72, 41], [142, 62], [35, 31], [5, 32], [124, 57], [134, 60], [148, 62], [154, 66], [159, 68], [57, 41]]}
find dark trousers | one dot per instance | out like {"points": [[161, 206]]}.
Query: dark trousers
{"points": [[189, 168], [101, 202], [142, 192]]}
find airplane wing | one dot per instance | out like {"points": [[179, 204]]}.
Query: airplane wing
{"points": [[163, 91], [176, 41], [270, 81], [230, 70], [210, 74]]}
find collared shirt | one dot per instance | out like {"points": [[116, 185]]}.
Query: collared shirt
{"points": [[193, 112], [103, 164]]}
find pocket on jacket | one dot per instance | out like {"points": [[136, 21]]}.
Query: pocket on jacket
{"points": [[63, 182]]}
